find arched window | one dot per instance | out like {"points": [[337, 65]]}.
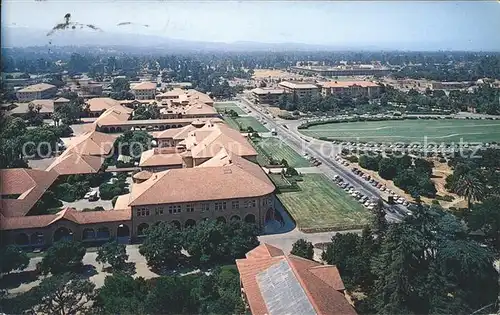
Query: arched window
{"points": [[88, 234], [176, 224], [221, 220], [250, 218], [235, 218], [122, 231], [63, 233], [189, 223]]}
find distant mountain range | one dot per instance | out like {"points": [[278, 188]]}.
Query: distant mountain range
{"points": [[25, 37]]}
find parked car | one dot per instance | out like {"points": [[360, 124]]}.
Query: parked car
{"points": [[94, 196]]}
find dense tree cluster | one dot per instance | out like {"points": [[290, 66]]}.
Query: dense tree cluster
{"points": [[478, 180], [413, 175], [216, 293], [208, 243], [17, 141], [426, 264]]}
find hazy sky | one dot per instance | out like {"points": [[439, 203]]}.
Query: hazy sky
{"points": [[444, 24]]}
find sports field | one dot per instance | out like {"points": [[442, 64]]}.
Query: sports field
{"points": [[448, 130], [245, 122], [278, 150], [221, 107], [321, 205]]}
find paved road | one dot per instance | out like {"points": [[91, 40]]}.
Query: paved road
{"points": [[324, 151]]}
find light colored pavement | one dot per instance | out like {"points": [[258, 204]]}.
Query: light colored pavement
{"points": [[285, 241], [309, 170]]}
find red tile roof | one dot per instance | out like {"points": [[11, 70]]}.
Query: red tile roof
{"points": [[29, 184], [321, 283], [240, 179], [70, 214]]}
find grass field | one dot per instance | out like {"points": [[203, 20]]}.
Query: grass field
{"points": [[321, 205], [439, 131], [220, 107], [278, 150], [245, 122]]}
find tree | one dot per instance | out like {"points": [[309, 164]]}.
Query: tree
{"points": [[426, 264], [485, 217], [33, 115], [114, 254], [133, 143], [211, 242], [387, 168], [12, 258], [172, 295], [379, 224], [468, 185], [121, 294], [63, 256], [303, 248], [62, 294], [162, 246]]}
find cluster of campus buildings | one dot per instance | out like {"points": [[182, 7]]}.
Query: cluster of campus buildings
{"points": [[200, 169], [300, 89]]}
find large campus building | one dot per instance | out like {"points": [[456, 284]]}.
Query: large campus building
{"points": [[38, 91], [353, 88], [275, 283], [343, 70], [268, 96], [300, 89], [204, 170], [144, 90]]}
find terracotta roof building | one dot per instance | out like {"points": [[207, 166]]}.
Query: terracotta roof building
{"points": [[300, 89], [43, 230], [275, 283], [354, 88], [98, 105], [21, 188], [234, 189], [160, 159], [144, 90], [36, 92], [84, 154]]}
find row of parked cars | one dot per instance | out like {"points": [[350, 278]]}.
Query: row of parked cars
{"points": [[364, 200], [375, 183], [314, 161]]}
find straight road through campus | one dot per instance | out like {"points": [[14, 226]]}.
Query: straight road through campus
{"points": [[318, 150]]}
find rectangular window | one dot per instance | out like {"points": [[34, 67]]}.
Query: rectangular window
{"points": [[235, 204], [174, 209], [205, 207], [138, 212], [252, 203], [159, 210], [189, 208], [245, 204]]}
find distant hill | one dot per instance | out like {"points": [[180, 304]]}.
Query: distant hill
{"points": [[24, 37]]}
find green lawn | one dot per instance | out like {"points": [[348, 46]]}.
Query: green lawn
{"points": [[245, 122], [220, 107], [321, 205], [278, 150], [447, 131]]}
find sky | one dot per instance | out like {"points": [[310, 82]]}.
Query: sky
{"points": [[400, 24]]}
